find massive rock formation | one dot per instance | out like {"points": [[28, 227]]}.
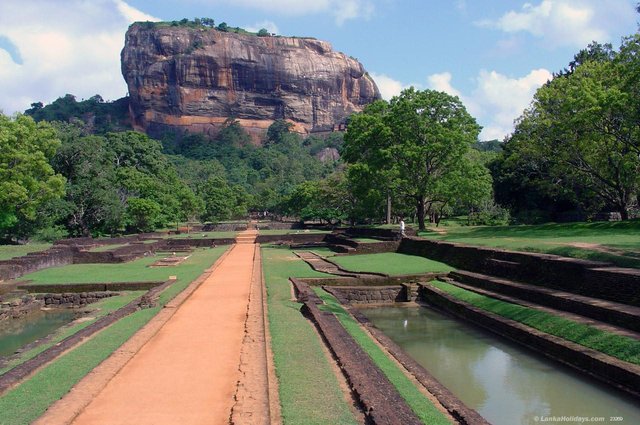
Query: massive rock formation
{"points": [[194, 79]]}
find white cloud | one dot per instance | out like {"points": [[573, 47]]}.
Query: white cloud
{"points": [[342, 10], [442, 82], [566, 22], [388, 86], [268, 25], [132, 14], [69, 46], [497, 100]]}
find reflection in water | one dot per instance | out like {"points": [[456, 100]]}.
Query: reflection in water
{"points": [[15, 333], [503, 382]]}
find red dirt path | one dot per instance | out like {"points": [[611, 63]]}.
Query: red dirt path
{"points": [[187, 373]]}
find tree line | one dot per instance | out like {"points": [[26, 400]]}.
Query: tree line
{"points": [[73, 168]]}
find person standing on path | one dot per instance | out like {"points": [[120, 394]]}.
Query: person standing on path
{"points": [[402, 228]]}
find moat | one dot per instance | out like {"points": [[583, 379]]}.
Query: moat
{"points": [[505, 383]]}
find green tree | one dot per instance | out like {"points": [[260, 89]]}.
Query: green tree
{"points": [[143, 215], [27, 181], [585, 128], [416, 140], [263, 32]]}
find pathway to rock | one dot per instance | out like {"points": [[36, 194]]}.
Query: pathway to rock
{"points": [[189, 371]]}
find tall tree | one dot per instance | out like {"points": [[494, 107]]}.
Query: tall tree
{"points": [[584, 127], [418, 140], [27, 181]]}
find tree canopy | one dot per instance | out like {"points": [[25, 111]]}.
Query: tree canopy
{"points": [[414, 147], [580, 138], [27, 180]]}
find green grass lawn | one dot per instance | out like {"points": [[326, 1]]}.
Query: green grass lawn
{"points": [[204, 235], [291, 231], [617, 242], [390, 263], [10, 251], [105, 248], [26, 402], [417, 401], [308, 388], [134, 271], [623, 348], [366, 240]]}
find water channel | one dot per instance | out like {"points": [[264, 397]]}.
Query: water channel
{"points": [[505, 383], [16, 333]]}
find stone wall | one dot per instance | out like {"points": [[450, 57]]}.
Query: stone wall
{"points": [[59, 255], [589, 278], [72, 299], [19, 307], [195, 243], [377, 247], [368, 294], [292, 238], [382, 234], [90, 287]]}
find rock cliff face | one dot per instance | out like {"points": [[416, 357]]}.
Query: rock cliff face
{"points": [[193, 80]]}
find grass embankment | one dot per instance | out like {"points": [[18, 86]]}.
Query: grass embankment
{"points": [[9, 251], [134, 271], [29, 400], [623, 348], [391, 263], [417, 401], [309, 390], [615, 242]]}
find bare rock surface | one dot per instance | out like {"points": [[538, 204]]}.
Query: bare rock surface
{"points": [[194, 79]]}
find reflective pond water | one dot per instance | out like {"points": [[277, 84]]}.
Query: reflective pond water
{"points": [[16, 333], [505, 383]]}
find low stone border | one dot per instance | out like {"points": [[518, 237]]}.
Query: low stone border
{"points": [[20, 372], [590, 278], [70, 299], [373, 281], [348, 295], [90, 287], [622, 375], [380, 401], [455, 407]]}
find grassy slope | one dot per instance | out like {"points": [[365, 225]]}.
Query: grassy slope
{"points": [[134, 271], [29, 400], [390, 263], [309, 390], [10, 251], [417, 401], [623, 237], [623, 348]]}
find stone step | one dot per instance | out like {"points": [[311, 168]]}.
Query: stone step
{"points": [[617, 314]]}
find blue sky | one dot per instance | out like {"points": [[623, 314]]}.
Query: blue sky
{"points": [[494, 54]]}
